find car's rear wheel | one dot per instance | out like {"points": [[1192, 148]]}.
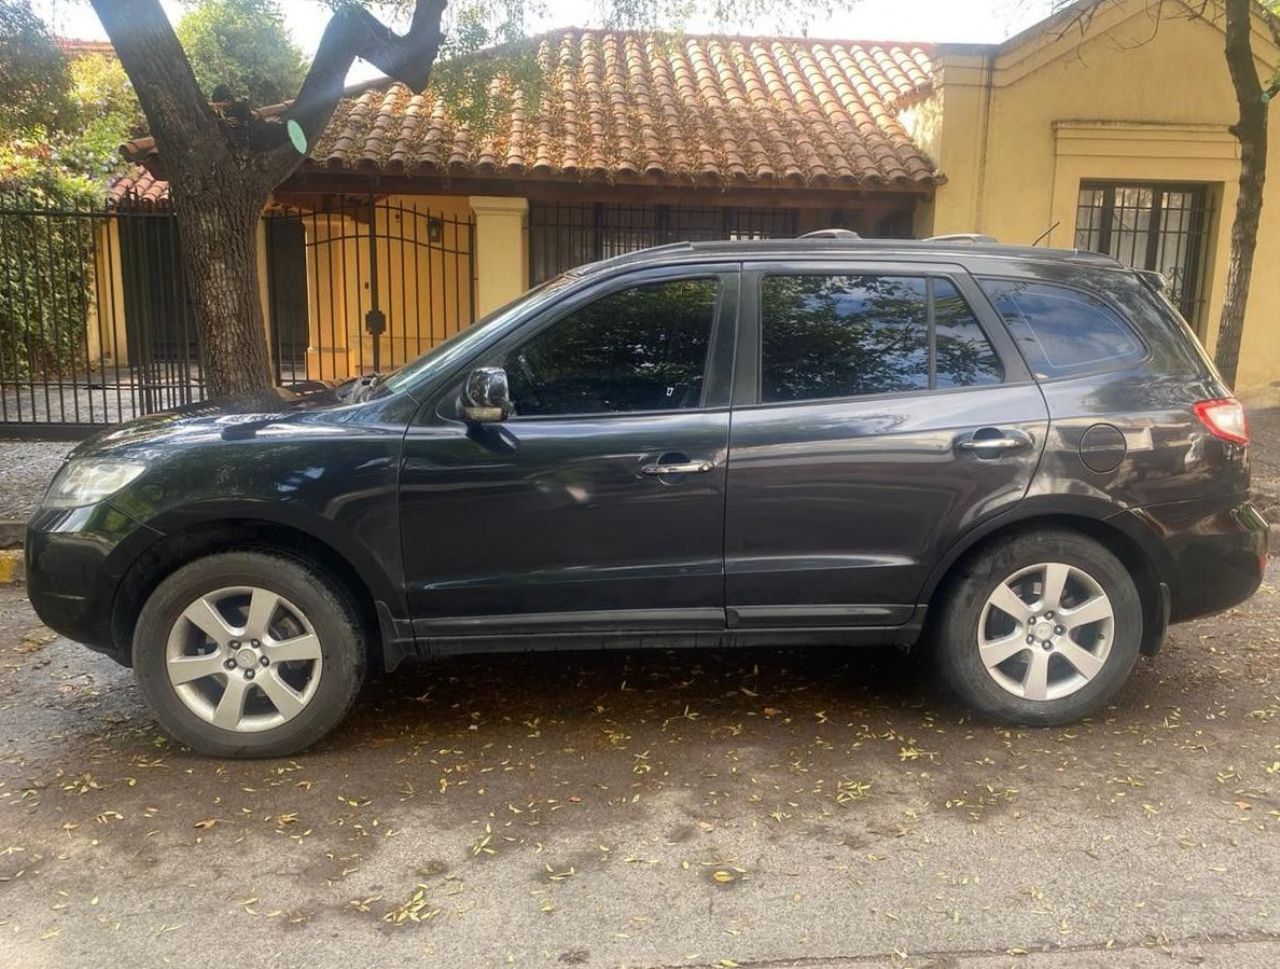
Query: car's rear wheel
{"points": [[248, 654], [1041, 629]]}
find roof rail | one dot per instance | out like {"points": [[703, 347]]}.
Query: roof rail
{"points": [[975, 238], [831, 234], [669, 246]]}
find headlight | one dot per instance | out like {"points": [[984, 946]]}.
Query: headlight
{"points": [[84, 481]]}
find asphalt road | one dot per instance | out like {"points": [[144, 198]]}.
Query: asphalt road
{"points": [[762, 809]]}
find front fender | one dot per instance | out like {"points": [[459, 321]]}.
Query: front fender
{"points": [[380, 572]]}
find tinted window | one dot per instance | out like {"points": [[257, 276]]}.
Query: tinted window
{"points": [[638, 349], [842, 336], [964, 358], [1062, 331], [849, 336]]}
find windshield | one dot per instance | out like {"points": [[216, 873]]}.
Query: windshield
{"points": [[442, 356]]}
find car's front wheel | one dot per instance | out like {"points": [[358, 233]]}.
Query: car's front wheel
{"points": [[1040, 629], [248, 654]]}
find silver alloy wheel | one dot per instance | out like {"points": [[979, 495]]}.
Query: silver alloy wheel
{"points": [[1046, 631], [243, 658]]}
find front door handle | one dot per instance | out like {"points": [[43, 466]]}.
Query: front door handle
{"points": [[994, 439], [683, 467]]}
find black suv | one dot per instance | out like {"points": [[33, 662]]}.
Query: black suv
{"points": [[1019, 456]]}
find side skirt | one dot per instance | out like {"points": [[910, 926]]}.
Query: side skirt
{"points": [[907, 634]]}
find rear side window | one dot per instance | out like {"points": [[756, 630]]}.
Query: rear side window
{"points": [[964, 358], [1063, 332], [857, 335]]}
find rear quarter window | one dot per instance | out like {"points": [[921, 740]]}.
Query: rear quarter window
{"points": [[1061, 331]]}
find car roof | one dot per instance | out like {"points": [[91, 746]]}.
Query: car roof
{"points": [[960, 249]]}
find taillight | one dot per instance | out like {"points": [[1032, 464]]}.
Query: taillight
{"points": [[1224, 418]]}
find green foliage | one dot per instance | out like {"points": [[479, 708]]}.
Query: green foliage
{"points": [[61, 124], [241, 47], [33, 72], [104, 112], [46, 267]]}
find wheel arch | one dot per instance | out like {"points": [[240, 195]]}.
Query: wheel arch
{"points": [[371, 592], [1121, 534]]}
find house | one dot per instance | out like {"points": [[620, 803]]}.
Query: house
{"points": [[1108, 132]]}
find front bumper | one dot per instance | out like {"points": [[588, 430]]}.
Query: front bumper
{"points": [[1215, 553], [76, 560]]}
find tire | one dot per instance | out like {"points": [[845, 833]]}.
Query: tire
{"points": [[312, 631], [973, 631]]}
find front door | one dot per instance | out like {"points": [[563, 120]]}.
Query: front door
{"points": [[857, 452], [599, 505]]}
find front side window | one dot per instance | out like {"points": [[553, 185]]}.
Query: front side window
{"points": [[857, 335], [637, 349], [1063, 332]]}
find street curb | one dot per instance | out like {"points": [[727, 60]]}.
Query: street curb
{"points": [[12, 532], [12, 569]]}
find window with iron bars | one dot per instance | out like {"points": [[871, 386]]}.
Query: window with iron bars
{"points": [[1154, 225], [562, 236]]}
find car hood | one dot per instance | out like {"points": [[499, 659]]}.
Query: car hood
{"points": [[270, 412]]}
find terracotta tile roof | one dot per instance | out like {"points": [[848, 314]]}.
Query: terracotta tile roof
{"points": [[623, 106], [138, 186], [75, 46], [694, 108]]}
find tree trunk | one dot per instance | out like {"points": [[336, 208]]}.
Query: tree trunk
{"points": [[218, 242], [221, 169], [1251, 132]]}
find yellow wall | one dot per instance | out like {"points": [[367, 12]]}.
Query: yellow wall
{"points": [[502, 250], [424, 290], [107, 341], [1015, 132]]}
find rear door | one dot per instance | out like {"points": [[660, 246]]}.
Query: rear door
{"points": [[881, 410]]}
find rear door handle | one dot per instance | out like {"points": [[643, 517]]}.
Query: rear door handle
{"points": [[684, 467], [995, 439]]}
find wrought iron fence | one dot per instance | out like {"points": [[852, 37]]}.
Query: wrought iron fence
{"points": [[96, 325], [564, 235]]}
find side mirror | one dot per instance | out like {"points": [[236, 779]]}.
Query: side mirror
{"points": [[485, 397]]}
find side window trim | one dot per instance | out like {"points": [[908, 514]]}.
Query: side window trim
{"points": [[1086, 370], [720, 353], [748, 378], [931, 332]]}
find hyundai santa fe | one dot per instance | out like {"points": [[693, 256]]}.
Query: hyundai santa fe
{"points": [[1020, 458]]}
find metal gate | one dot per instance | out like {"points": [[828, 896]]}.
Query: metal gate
{"points": [[96, 324], [377, 281]]}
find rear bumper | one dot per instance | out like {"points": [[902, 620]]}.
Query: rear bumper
{"points": [[1215, 552], [76, 559]]}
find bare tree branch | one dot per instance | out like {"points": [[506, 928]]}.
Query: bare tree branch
{"points": [[181, 119], [354, 32]]}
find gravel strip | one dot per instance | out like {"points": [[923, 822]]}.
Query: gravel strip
{"points": [[25, 470]]}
